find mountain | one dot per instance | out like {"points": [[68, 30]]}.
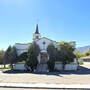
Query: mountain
{"points": [[83, 49]]}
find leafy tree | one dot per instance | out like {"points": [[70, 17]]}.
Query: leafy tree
{"points": [[52, 51], [87, 53], [65, 52], [79, 55], [33, 52]]}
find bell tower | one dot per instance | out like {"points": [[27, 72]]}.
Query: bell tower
{"points": [[36, 35]]}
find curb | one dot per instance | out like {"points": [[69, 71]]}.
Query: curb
{"points": [[43, 86]]}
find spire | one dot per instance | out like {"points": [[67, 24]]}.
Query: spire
{"points": [[37, 31]]}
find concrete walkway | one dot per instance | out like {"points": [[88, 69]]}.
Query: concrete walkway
{"points": [[44, 86]]}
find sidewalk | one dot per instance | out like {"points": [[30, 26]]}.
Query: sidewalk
{"points": [[44, 86]]}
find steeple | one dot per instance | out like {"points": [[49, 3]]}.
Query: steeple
{"points": [[37, 30], [36, 35]]}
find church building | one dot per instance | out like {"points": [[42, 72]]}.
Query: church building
{"points": [[43, 57]]}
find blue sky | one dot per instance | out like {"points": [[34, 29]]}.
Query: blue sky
{"points": [[60, 20]]}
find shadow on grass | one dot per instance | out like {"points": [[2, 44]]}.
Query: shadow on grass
{"points": [[81, 71]]}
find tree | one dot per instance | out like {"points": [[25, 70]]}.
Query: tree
{"points": [[66, 53], [78, 54], [52, 56], [87, 53], [22, 57], [7, 56], [13, 56], [10, 56], [33, 52], [1, 56]]}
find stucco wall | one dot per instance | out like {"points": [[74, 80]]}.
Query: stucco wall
{"points": [[44, 46], [19, 67], [58, 66], [72, 66]]}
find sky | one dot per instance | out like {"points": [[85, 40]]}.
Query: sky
{"points": [[60, 20]]}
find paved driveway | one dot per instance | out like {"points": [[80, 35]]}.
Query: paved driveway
{"points": [[81, 76]]}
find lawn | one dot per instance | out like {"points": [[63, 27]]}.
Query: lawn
{"points": [[7, 67]]}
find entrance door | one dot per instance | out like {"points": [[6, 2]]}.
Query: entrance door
{"points": [[44, 58], [42, 66]]}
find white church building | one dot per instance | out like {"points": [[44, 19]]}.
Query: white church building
{"points": [[43, 57]]}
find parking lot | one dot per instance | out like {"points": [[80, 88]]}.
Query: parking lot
{"points": [[82, 76]]}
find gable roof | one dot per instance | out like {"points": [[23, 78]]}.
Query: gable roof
{"points": [[47, 39]]}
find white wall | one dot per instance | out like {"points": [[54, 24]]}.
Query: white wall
{"points": [[19, 67], [71, 67], [58, 66], [44, 46]]}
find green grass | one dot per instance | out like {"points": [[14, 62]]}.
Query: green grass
{"points": [[6, 69]]}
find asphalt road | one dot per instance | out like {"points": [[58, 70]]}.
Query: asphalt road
{"points": [[37, 89], [23, 89], [26, 89]]}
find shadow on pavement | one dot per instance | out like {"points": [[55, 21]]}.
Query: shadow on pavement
{"points": [[81, 71]]}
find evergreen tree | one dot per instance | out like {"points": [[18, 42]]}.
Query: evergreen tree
{"points": [[7, 56], [33, 52], [1, 56], [52, 56], [10, 56], [13, 56], [22, 57]]}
